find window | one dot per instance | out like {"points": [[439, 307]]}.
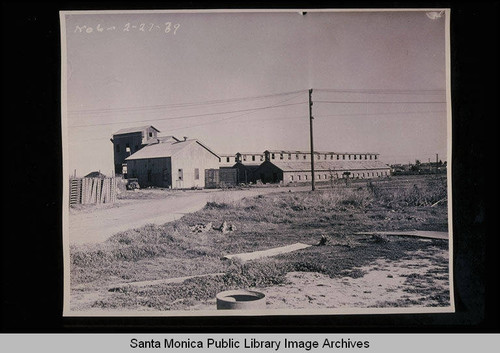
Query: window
{"points": [[244, 157], [298, 177], [150, 134], [196, 174], [338, 156], [117, 147], [305, 156], [325, 156], [331, 156], [375, 156], [228, 159], [261, 158], [181, 176], [291, 177], [253, 158], [343, 156], [354, 156], [281, 155], [366, 157], [296, 156], [289, 156], [272, 156], [370, 156], [305, 177], [349, 156]]}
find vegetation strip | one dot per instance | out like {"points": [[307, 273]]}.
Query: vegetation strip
{"points": [[164, 281], [416, 233]]}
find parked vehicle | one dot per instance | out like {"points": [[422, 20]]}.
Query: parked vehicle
{"points": [[133, 183]]}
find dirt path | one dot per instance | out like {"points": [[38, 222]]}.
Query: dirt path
{"points": [[100, 224]]}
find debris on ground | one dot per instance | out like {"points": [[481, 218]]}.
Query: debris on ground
{"points": [[324, 240], [201, 228], [225, 227]]}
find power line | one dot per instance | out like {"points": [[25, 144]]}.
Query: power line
{"points": [[240, 115], [377, 102], [192, 116], [180, 105], [386, 113], [384, 91]]}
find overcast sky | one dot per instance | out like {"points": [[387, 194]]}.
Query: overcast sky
{"points": [[239, 81]]}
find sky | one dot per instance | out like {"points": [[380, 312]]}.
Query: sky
{"points": [[239, 81]]}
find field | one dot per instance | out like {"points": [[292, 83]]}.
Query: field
{"points": [[341, 269]]}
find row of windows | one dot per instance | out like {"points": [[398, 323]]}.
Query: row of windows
{"points": [[298, 156], [338, 175], [329, 156]]}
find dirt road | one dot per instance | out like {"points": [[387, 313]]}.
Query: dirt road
{"points": [[99, 224]]}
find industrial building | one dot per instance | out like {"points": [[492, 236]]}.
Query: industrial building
{"points": [[166, 161], [171, 163], [295, 166], [130, 140]]}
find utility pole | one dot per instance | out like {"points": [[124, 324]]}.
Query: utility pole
{"points": [[311, 138], [437, 159]]}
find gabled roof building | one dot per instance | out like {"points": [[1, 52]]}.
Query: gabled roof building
{"points": [[171, 163], [295, 166]]}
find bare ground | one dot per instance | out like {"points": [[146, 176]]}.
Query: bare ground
{"points": [[348, 270]]}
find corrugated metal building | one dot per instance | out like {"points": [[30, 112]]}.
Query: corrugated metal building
{"points": [[172, 164]]}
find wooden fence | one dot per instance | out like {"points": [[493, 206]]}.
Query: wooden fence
{"points": [[92, 190]]}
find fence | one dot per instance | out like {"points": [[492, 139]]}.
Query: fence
{"points": [[92, 190]]}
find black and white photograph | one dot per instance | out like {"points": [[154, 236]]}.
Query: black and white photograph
{"points": [[256, 162]]}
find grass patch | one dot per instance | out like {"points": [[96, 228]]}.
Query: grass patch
{"points": [[329, 218]]}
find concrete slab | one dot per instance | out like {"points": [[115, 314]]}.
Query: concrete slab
{"points": [[269, 252]]}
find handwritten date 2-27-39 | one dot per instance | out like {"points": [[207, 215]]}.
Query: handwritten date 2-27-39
{"points": [[167, 27]]}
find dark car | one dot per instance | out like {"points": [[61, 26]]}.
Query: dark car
{"points": [[133, 183]]}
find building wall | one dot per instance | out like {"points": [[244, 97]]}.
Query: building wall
{"points": [[268, 173], [187, 161], [132, 140], [327, 175], [151, 172], [318, 156], [120, 144], [227, 160]]}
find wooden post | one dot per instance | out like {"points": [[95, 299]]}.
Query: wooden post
{"points": [[311, 138]]}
